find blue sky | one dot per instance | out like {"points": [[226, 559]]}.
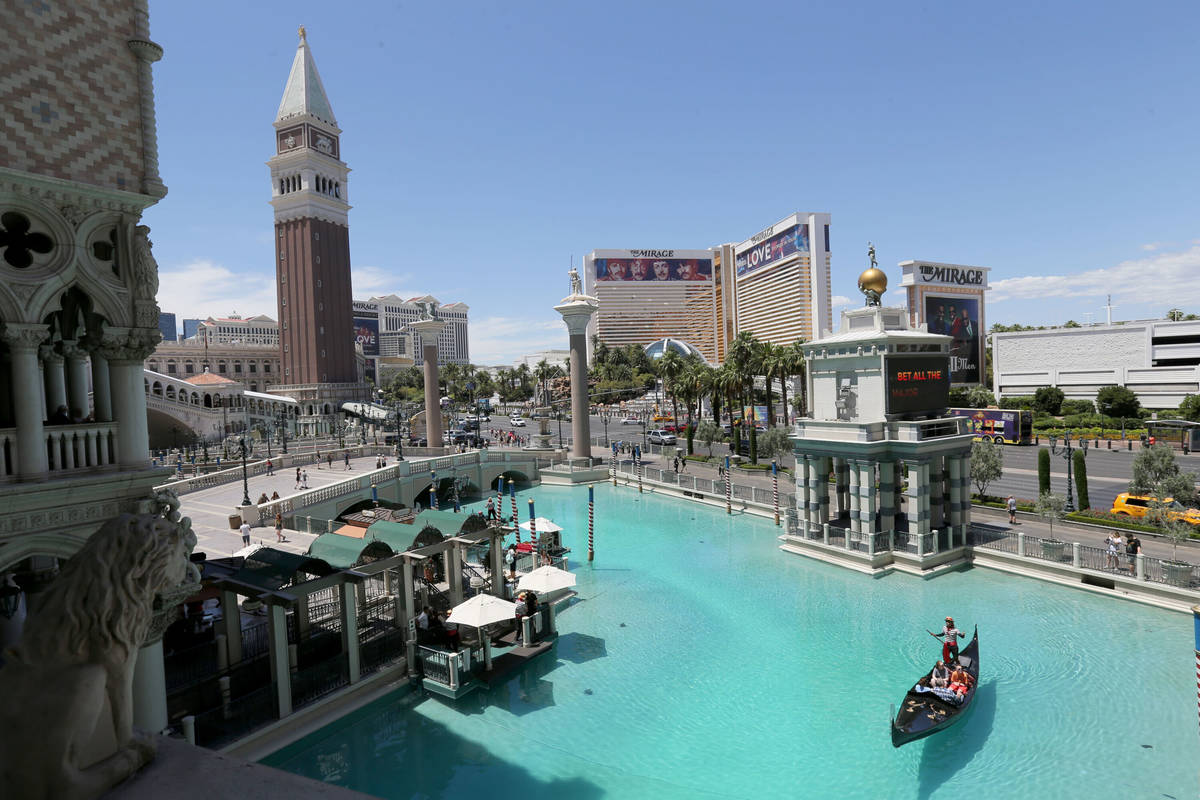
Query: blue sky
{"points": [[492, 142]]}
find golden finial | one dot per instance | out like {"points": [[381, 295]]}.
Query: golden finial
{"points": [[303, 34]]}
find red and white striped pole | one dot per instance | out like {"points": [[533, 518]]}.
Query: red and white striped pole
{"points": [[1196, 622], [591, 523], [728, 489], [512, 493], [613, 464], [775, 489], [637, 455], [533, 536]]}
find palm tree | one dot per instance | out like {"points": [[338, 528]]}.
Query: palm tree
{"points": [[743, 360], [670, 367], [543, 372], [523, 375], [796, 366], [727, 385], [771, 361]]}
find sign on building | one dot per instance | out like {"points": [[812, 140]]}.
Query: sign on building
{"points": [[949, 300]]}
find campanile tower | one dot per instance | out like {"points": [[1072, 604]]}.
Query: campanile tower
{"points": [[312, 247]]}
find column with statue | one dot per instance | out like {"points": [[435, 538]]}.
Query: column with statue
{"points": [[577, 309]]}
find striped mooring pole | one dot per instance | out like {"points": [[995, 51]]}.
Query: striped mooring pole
{"points": [[637, 460], [433, 498], [612, 462], [591, 523], [533, 536], [775, 489], [512, 495], [728, 489], [499, 497], [1196, 621]]}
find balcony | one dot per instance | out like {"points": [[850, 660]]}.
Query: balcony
{"points": [[70, 449]]}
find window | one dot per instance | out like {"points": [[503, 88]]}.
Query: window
{"points": [[237, 367], [189, 368], [267, 367], [318, 279], [220, 366], [253, 368]]}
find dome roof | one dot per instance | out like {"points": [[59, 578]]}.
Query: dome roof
{"points": [[656, 349]]}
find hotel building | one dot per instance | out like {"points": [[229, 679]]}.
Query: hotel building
{"points": [[781, 280]]}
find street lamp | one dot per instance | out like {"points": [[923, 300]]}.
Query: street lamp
{"points": [[559, 416], [604, 415], [245, 477], [645, 416], [267, 433], [282, 418], [1065, 451]]}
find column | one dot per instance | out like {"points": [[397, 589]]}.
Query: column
{"points": [[281, 673], [867, 501], [428, 331], [231, 625], [958, 487], [887, 496], [842, 478], [349, 597], [821, 488], [855, 499], [410, 613], [77, 379], [28, 410], [576, 310], [496, 554], [55, 382], [918, 501], [804, 471], [125, 350], [454, 573], [937, 483]]}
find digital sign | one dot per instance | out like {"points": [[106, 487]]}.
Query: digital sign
{"points": [[773, 248], [916, 384], [957, 316], [653, 269]]}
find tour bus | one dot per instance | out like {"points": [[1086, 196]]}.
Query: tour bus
{"points": [[999, 425]]}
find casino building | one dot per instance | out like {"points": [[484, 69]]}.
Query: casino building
{"points": [[647, 295], [781, 280]]}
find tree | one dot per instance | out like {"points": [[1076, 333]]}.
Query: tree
{"points": [[1190, 408], [1079, 463], [1175, 315], [708, 432], [987, 465], [1050, 507], [670, 368], [1048, 399], [1117, 401], [1156, 473], [774, 442], [1043, 471], [743, 358]]}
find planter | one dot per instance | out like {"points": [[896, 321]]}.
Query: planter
{"points": [[1177, 573], [1052, 549]]}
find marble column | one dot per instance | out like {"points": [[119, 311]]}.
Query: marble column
{"points": [[887, 496], [149, 671], [918, 501], [804, 471], [428, 331], [101, 390], [576, 311], [28, 410], [126, 351], [842, 482], [55, 381], [349, 618], [854, 495], [867, 500], [937, 493], [77, 379], [821, 487]]}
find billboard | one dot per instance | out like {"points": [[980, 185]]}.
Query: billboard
{"points": [[772, 249], [916, 384], [957, 316], [653, 269], [757, 413], [366, 333]]}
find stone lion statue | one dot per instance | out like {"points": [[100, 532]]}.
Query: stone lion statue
{"points": [[66, 730]]}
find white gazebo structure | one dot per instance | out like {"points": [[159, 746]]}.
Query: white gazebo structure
{"points": [[900, 468]]}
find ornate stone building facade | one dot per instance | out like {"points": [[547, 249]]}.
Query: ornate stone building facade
{"points": [[78, 279]]}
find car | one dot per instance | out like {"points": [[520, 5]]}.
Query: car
{"points": [[1139, 505], [470, 424], [661, 437], [631, 421], [418, 441], [517, 422]]}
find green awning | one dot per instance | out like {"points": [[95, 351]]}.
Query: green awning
{"points": [[271, 569], [396, 535], [340, 551], [447, 522]]}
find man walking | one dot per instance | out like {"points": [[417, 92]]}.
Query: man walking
{"points": [[346, 459], [245, 531], [297, 477], [1012, 510], [270, 467], [305, 475]]}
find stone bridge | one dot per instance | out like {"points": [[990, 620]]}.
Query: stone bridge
{"points": [[177, 410]]}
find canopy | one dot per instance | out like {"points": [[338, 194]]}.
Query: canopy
{"points": [[543, 525], [397, 535], [483, 609], [545, 580], [271, 569], [341, 551]]}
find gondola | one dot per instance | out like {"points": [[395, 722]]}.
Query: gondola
{"points": [[925, 711]]}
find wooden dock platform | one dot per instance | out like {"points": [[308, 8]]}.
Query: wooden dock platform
{"points": [[507, 664]]}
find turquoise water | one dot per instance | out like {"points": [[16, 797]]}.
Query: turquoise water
{"points": [[701, 661]]}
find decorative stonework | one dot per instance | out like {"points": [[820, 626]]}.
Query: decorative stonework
{"points": [[22, 336]]}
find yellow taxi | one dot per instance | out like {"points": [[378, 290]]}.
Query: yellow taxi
{"points": [[1138, 505]]}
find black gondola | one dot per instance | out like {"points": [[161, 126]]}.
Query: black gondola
{"points": [[925, 712]]}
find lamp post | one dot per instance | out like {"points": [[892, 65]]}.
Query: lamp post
{"points": [[558, 415], [283, 430], [245, 477], [645, 415], [604, 415], [267, 433], [1065, 451]]}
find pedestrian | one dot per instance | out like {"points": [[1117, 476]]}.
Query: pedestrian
{"points": [[346, 459], [1133, 546], [1117, 548], [677, 464], [279, 527], [318, 461], [491, 510], [329, 460], [305, 475], [297, 477], [510, 557], [1110, 553], [245, 530], [270, 467], [1012, 510], [683, 466]]}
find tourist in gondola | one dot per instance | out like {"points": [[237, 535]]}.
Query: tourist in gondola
{"points": [[960, 681], [940, 677], [949, 636]]}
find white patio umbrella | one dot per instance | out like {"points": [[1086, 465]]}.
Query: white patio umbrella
{"points": [[547, 579], [543, 526], [482, 610]]}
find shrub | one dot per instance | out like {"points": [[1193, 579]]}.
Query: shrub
{"points": [[1048, 399], [1043, 471], [1077, 407], [1079, 462], [1019, 401]]}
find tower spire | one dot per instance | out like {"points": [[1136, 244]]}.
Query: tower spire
{"points": [[304, 93]]}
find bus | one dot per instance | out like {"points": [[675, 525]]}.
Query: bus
{"points": [[999, 425]]}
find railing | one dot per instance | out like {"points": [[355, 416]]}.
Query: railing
{"points": [[757, 496], [1082, 557], [279, 462], [442, 667]]}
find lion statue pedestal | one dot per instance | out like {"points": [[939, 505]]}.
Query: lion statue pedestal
{"points": [[66, 727]]}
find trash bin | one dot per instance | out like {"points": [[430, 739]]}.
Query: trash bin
{"points": [[235, 521]]}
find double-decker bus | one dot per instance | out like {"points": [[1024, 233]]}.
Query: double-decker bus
{"points": [[999, 425]]}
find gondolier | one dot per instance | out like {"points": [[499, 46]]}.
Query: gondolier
{"points": [[949, 636]]}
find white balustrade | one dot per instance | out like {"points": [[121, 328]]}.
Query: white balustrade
{"points": [[79, 447]]}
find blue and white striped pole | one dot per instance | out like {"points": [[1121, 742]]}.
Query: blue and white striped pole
{"points": [[591, 523], [775, 489], [637, 463], [728, 489], [433, 498]]}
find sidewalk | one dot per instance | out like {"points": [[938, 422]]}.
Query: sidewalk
{"points": [[210, 509]]}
